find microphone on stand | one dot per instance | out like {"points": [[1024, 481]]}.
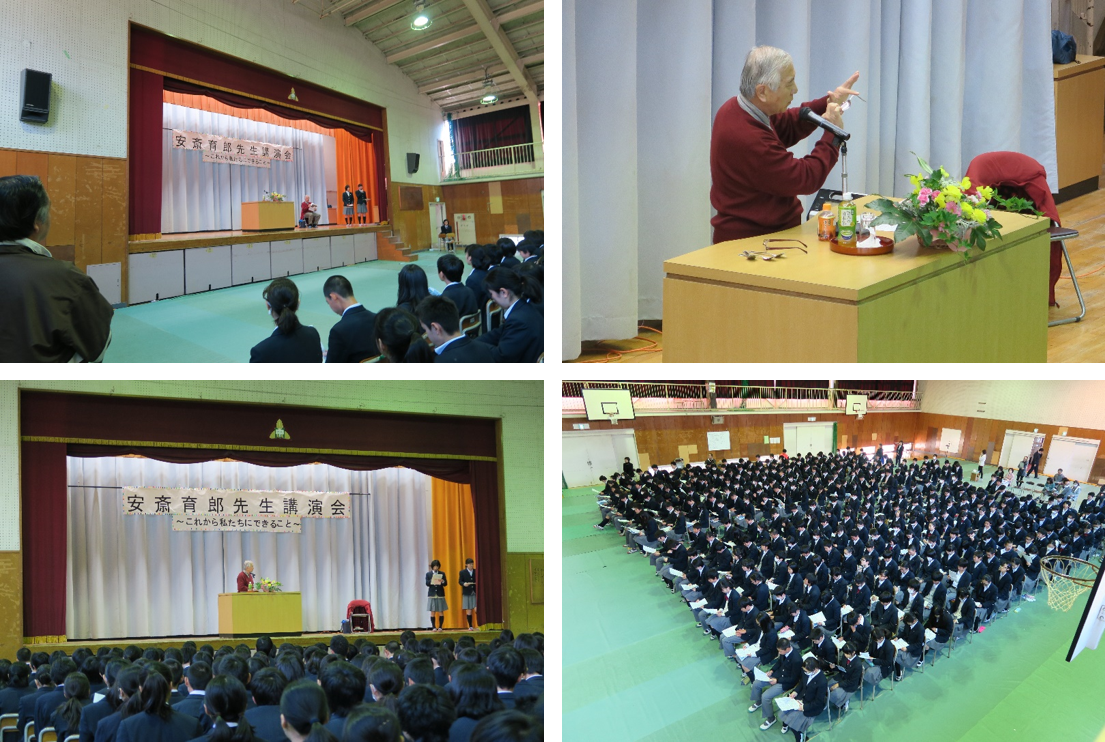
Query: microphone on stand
{"points": [[807, 113]]}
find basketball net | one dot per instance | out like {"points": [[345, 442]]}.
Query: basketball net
{"points": [[1066, 578]]}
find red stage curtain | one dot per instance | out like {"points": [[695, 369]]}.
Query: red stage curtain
{"points": [[503, 128], [145, 144], [213, 73], [175, 424], [42, 466]]}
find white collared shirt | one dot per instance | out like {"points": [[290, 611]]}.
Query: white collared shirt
{"points": [[441, 348], [351, 306]]}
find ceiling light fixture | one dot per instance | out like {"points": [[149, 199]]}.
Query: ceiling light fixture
{"points": [[489, 94], [421, 20]]}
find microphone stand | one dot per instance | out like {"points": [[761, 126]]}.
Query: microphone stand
{"points": [[843, 146]]}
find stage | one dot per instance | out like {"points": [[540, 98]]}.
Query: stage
{"points": [[185, 240], [377, 637]]}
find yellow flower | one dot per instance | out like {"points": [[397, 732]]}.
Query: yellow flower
{"points": [[953, 193], [979, 216], [965, 184], [915, 181], [940, 199], [985, 192]]}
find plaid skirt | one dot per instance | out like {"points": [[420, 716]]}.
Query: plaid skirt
{"points": [[348, 211], [468, 602], [362, 207], [436, 605]]}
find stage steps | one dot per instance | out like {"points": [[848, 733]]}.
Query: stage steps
{"points": [[389, 246]]}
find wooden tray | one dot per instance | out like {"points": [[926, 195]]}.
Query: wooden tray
{"points": [[886, 246]]}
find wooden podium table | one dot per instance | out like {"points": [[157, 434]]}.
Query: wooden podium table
{"points": [[258, 216], [913, 305], [257, 614]]}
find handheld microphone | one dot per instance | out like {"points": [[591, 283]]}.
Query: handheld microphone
{"points": [[807, 113]]}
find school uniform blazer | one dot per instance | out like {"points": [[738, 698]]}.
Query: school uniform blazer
{"points": [[465, 350], [463, 297], [521, 338], [788, 669], [9, 698], [145, 727], [265, 721], [46, 705], [814, 695], [59, 723], [27, 707], [461, 730], [811, 598], [467, 576], [192, 706], [91, 716], [883, 657], [436, 591], [914, 636], [826, 653], [762, 598], [475, 283], [831, 609], [852, 674], [108, 727], [353, 337], [302, 346], [678, 558], [768, 652], [1005, 584], [537, 682]]}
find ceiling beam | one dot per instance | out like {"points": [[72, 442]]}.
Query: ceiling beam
{"points": [[459, 82], [340, 5], [476, 73], [371, 10], [413, 51], [490, 25], [476, 110], [503, 91]]}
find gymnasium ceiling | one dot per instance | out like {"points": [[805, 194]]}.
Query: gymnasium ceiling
{"points": [[468, 39]]}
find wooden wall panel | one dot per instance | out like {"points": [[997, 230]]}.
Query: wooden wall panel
{"points": [[33, 163], [414, 226], [114, 245], [89, 214], [7, 163], [62, 188], [11, 594], [521, 208]]}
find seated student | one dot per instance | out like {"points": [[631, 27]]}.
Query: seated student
{"points": [[986, 595], [108, 705], [746, 621], [373, 724], [225, 704], [830, 607], [509, 726], [943, 624], [48, 702], [508, 248], [474, 698], [823, 649], [798, 622], [425, 712], [521, 337], [267, 686], [450, 269], [848, 681], [507, 667], [440, 321], [19, 685], [783, 678], [913, 634], [304, 713], [885, 614], [413, 287], [291, 341], [43, 685], [963, 610], [344, 685], [477, 258], [398, 338], [353, 338], [196, 678], [1004, 587], [882, 655], [529, 250], [385, 682], [147, 715], [812, 696], [55, 312], [66, 719]]}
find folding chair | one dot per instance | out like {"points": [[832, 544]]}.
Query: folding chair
{"points": [[1061, 235], [824, 716], [875, 693], [493, 312], [49, 734], [29, 731], [470, 325], [374, 359], [9, 727]]}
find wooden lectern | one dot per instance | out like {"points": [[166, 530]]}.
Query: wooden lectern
{"points": [[259, 216], [257, 614]]}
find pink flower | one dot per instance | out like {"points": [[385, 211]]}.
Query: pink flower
{"points": [[953, 207], [924, 196]]}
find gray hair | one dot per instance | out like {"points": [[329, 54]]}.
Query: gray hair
{"points": [[763, 66], [248, 563]]}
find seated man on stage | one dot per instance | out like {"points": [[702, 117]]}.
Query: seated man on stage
{"points": [[756, 181], [245, 577], [308, 212]]}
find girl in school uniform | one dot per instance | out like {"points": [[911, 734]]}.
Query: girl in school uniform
{"points": [[521, 336], [362, 204], [347, 200], [468, 591], [435, 603]]}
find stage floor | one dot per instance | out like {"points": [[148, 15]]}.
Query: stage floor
{"points": [[184, 240], [303, 640]]}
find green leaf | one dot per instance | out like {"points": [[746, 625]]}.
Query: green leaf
{"points": [[921, 161]]}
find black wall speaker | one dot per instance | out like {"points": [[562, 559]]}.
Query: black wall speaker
{"points": [[34, 96], [412, 162]]}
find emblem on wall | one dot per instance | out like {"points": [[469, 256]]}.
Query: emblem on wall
{"points": [[279, 432]]}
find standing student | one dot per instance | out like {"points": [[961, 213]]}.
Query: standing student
{"points": [[1034, 463], [521, 337], [435, 592], [468, 591], [362, 204], [347, 200]]}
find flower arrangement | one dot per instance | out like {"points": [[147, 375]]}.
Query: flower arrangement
{"points": [[944, 212], [274, 196], [270, 586]]}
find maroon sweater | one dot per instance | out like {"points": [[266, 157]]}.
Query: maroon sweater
{"points": [[756, 181]]}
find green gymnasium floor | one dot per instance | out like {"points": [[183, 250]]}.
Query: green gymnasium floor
{"points": [[636, 668], [221, 326]]}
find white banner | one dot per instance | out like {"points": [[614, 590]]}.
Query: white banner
{"points": [[231, 504], [233, 151], [240, 523]]}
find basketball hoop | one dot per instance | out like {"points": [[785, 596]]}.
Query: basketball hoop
{"points": [[613, 417], [1066, 579]]}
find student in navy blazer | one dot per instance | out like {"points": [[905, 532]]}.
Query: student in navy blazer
{"points": [[147, 715], [267, 686], [353, 338], [521, 337], [291, 341], [450, 269], [440, 320]]}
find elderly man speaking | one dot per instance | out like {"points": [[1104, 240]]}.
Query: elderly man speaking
{"points": [[756, 181]]}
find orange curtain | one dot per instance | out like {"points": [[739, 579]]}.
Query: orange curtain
{"points": [[454, 540], [356, 157]]}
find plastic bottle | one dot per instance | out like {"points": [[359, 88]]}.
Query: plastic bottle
{"points": [[826, 223], [846, 231]]}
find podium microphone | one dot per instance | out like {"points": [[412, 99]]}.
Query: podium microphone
{"points": [[807, 113]]}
